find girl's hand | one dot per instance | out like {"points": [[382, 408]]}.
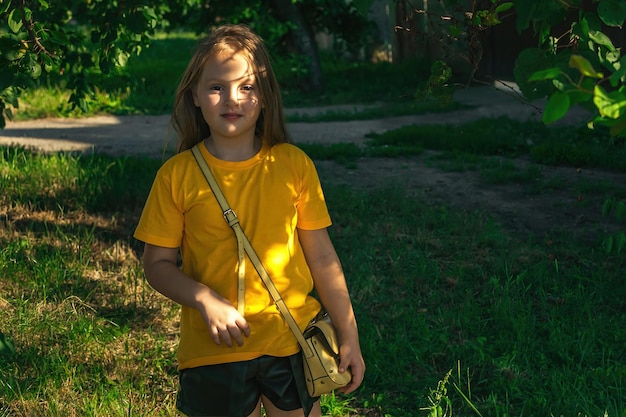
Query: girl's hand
{"points": [[332, 289], [351, 358], [223, 320]]}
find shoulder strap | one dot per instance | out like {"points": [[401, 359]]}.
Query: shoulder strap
{"points": [[243, 244]]}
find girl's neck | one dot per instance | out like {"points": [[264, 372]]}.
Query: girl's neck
{"points": [[233, 151]]}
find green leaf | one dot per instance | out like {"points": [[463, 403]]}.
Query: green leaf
{"points": [[83, 104], [607, 206], [491, 20], [558, 84], [454, 30], [35, 70], [4, 6], [15, 20], [150, 14], [546, 74], [557, 106], [611, 105], [601, 39], [581, 29], [593, 20], [610, 59], [583, 65], [122, 58], [525, 13], [27, 13], [617, 77], [528, 62], [579, 96], [612, 12], [504, 7]]}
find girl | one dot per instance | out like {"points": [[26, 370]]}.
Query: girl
{"points": [[235, 356]]}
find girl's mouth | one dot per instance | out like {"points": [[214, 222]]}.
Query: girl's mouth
{"points": [[231, 116]]}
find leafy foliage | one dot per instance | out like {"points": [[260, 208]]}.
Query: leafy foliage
{"points": [[579, 67], [456, 27], [70, 43], [76, 44]]}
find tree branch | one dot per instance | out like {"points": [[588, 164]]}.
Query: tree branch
{"points": [[30, 28]]}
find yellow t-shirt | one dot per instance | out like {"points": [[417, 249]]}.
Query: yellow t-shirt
{"points": [[274, 193]]}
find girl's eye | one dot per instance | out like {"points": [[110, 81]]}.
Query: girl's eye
{"points": [[215, 88], [247, 88]]}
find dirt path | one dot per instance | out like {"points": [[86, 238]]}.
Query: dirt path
{"points": [[573, 205], [148, 135], [567, 207]]}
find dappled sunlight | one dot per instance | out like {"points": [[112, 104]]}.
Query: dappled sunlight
{"points": [[92, 320], [277, 259]]}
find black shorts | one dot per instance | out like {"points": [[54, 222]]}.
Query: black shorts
{"points": [[234, 389]]}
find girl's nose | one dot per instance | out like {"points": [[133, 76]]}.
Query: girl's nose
{"points": [[231, 96]]}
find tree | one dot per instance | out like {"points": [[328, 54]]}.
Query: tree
{"points": [[72, 42], [75, 42], [289, 28], [304, 38], [579, 65]]}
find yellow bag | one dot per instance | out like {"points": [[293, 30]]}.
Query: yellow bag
{"points": [[321, 370]]}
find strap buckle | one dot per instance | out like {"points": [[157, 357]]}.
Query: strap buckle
{"points": [[230, 216]]}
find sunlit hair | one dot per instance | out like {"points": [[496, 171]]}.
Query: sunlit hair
{"points": [[187, 119]]}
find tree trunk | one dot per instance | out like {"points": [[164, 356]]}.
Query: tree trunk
{"points": [[304, 40]]}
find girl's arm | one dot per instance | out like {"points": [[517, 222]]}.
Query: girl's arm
{"points": [[223, 320], [332, 289]]}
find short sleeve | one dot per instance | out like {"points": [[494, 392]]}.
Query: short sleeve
{"points": [[162, 220], [311, 204]]}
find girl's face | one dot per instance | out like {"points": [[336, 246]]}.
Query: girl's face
{"points": [[227, 95]]}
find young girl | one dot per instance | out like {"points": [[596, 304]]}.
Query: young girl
{"points": [[235, 356]]}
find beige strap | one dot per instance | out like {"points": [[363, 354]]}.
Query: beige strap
{"points": [[233, 222], [244, 244]]}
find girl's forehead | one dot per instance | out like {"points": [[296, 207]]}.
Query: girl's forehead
{"points": [[228, 65]]}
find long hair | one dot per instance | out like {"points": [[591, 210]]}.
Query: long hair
{"points": [[187, 119]]}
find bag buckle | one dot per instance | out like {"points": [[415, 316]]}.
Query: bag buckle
{"points": [[320, 316]]}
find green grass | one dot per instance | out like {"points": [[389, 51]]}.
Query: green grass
{"points": [[405, 107], [522, 326], [489, 146], [567, 145]]}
